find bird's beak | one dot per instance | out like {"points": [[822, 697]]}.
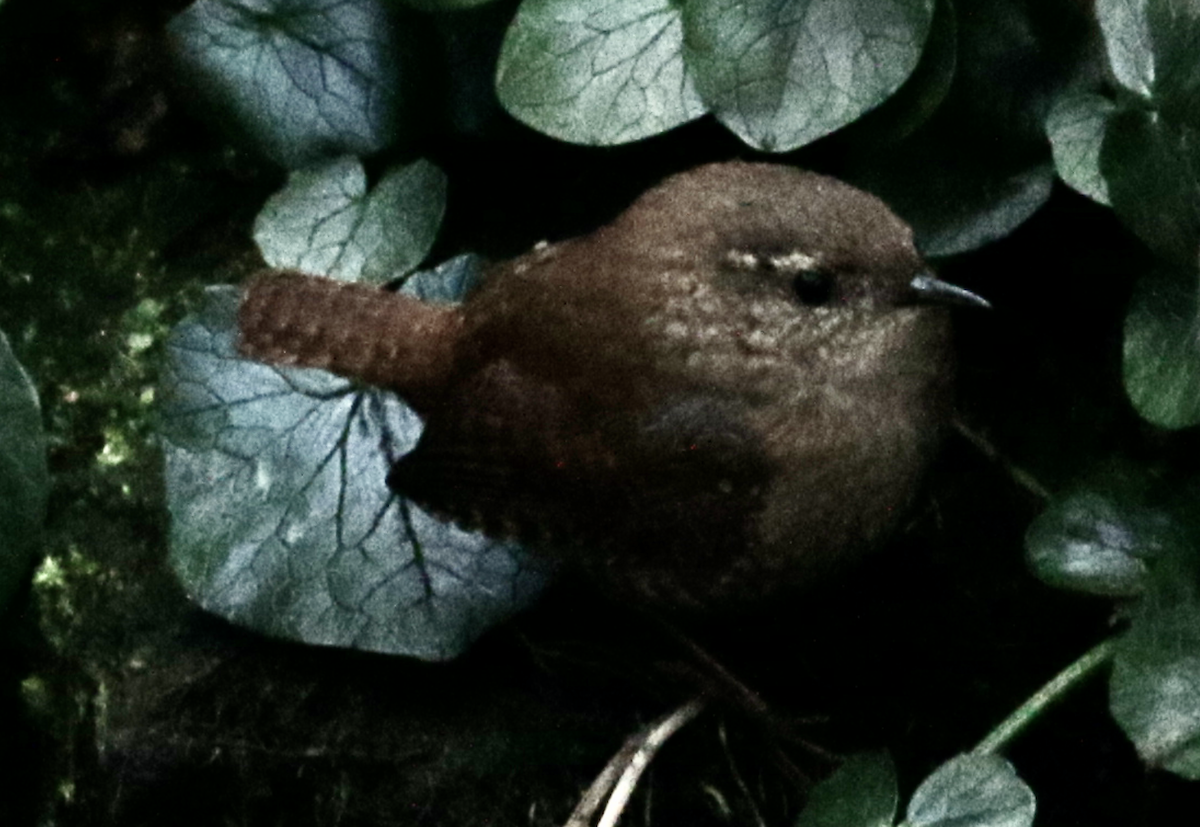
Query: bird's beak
{"points": [[932, 290]]}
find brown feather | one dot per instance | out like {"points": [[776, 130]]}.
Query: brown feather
{"points": [[355, 330], [718, 397]]}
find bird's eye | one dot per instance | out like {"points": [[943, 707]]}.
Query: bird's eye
{"points": [[813, 287]]}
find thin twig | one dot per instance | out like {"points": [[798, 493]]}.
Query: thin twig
{"points": [[656, 736], [737, 776], [747, 698], [623, 770], [749, 701], [595, 794], [1019, 475]]}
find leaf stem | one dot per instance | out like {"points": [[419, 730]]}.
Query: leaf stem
{"points": [[1062, 683], [1019, 475]]}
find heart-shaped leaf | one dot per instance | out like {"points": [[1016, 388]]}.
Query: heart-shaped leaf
{"points": [[304, 79], [1151, 47], [281, 518], [862, 793], [1076, 127], [782, 73], [1094, 542], [1162, 352], [324, 220], [1154, 693], [597, 71], [1127, 39], [972, 791], [1150, 165]]}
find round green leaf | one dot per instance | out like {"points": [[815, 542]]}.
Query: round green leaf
{"points": [[24, 479], [954, 202], [1093, 542], [1151, 151], [1151, 48], [968, 220], [1075, 127], [972, 791], [304, 79], [782, 73], [925, 90], [1151, 168], [597, 71], [1154, 693], [1162, 352], [1127, 39], [862, 793], [1175, 33], [980, 165], [281, 517], [324, 220]]}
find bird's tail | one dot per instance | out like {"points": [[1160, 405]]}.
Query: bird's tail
{"points": [[357, 331]]}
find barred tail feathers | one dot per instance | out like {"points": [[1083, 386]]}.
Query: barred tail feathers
{"points": [[355, 330]]}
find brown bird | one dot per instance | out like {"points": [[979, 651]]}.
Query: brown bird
{"points": [[716, 398]]}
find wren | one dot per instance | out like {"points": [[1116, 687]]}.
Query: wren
{"points": [[715, 399]]}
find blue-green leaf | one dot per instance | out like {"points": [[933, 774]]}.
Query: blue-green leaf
{"points": [[1154, 693], [1162, 351], [1075, 127], [597, 71], [1175, 31], [972, 791], [324, 220], [925, 90], [862, 793], [1152, 47], [1094, 542], [1127, 39], [304, 79], [1151, 165], [782, 73], [958, 204], [24, 479], [281, 517]]}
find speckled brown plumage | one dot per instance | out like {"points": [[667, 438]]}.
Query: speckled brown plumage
{"points": [[713, 399], [289, 318]]}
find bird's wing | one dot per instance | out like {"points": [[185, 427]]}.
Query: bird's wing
{"points": [[516, 456]]}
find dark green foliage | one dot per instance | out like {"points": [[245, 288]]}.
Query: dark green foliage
{"points": [[1162, 353], [1124, 536], [1155, 688], [24, 481], [976, 790], [1137, 149], [861, 792], [121, 202], [1096, 543], [301, 78], [969, 790]]}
